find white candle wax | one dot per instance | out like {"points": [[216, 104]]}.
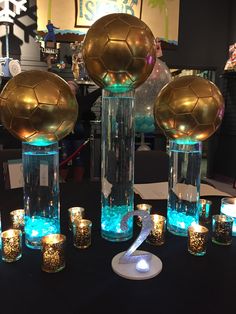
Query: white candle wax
{"points": [[228, 208]]}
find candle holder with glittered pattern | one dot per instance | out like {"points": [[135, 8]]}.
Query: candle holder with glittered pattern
{"points": [[53, 253], [82, 233], [228, 208], [197, 239], [157, 235], [204, 211], [11, 245], [222, 226], [145, 207], [18, 219], [75, 213]]}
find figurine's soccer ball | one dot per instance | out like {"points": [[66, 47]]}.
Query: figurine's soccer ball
{"points": [[38, 107], [189, 108], [119, 52]]}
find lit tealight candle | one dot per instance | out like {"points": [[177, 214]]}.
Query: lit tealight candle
{"points": [[157, 235], [222, 229], [11, 245], [53, 253], [18, 219], [82, 233], [228, 208], [75, 213], [197, 239], [145, 207]]}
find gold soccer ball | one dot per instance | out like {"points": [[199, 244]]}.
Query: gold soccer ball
{"points": [[189, 108], [119, 52], [38, 107]]}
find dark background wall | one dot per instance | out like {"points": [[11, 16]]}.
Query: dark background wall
{"points": [[204, 28]]}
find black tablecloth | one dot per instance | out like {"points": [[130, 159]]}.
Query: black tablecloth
{"points": [[187, 284]]}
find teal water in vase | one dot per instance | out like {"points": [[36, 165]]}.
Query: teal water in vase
{"points": [[41, 192], [184, 186], [117, 164]]}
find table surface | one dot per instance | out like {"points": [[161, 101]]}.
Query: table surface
{"points": [[187, 284]]}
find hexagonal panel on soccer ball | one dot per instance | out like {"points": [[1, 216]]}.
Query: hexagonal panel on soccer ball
{"points": [[203, 131], [174, 134], [218, 96], [47, 92], [139, 44], [116, 55], [67, 107], [183, 100], [22, 102], [182, 81], [8, 89], [165, 118], [45, 119], [22, 128], [117, 30], [134, 68], [202, 88], [185, 123], [24, 79], [163, 99], [206, 110], [94, 48], [97, 70], [64, 128]]}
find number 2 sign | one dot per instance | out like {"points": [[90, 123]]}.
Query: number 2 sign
{"points": [[125, 263]]}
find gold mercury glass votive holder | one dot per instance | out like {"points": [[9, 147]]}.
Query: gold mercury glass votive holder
{"points": [[204, 211], [157, 234], [18, 219], [145, 207], [11, 245], [197, 239], [82, 233], [53, 253], [75, 213], [222, 226]]}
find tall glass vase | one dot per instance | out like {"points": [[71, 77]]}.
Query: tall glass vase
{"points": [[184, 185], [117, 164], [41, 192]]}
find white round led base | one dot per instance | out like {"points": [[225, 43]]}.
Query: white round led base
{"points": [[129, 271]]}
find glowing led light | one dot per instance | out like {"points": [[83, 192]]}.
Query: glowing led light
{"points": [[34, 233], [142, 266]]}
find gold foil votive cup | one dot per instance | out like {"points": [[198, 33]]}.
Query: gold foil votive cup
{"points": [[222, 226], [82, 233], [145, 207], [197, 239], [53, 253], [18, 219], [157, 234], [204, 211], [75, 213], [11, 245]]}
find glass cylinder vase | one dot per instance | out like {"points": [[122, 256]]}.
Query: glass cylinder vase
{"points": [[117, 164], [184, 185], [41, 192]]}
